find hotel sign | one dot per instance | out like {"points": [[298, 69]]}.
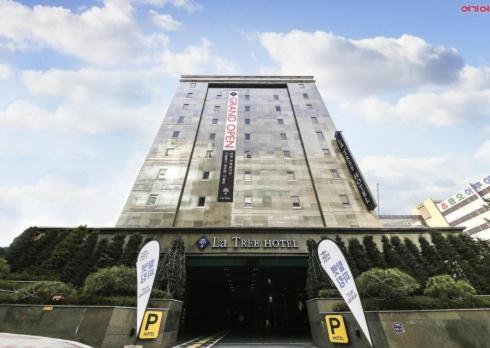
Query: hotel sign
{"points": [[236, 242], [227, 174], [362, 187]]}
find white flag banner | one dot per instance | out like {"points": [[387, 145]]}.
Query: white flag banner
{"points": [[146, 270], [334, 263]]}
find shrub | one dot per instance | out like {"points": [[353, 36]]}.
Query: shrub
{"points": [[43, 292], [445, 287], [4, 268], [117, 280], [328, 293], [385, 284]]}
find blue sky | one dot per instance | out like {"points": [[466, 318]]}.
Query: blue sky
{"points": [[84, 86]]}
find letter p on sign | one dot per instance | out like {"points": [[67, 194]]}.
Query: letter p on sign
{"points": [[151, 325], [337, 332]]}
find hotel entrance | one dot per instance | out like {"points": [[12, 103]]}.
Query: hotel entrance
{"points": [[245, 294]]}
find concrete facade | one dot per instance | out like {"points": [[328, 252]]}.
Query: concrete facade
{"points": [[286, 150]]}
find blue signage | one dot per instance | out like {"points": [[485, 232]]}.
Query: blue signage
{"points": [[202, 243]]}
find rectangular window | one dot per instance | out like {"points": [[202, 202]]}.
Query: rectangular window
{"points": [[212, 136], [209, 154], [169, 151], [247, 121], [295, 201], [181, 119], [344, 199], [190, 94], [276, 97], [301, 85], [152, 199], [287, 154], [284, 136], [320, 135], [335, 173], [280, 121], [185, 107], [291, 176], [309, 106], [247, 136], [205, 175], [247, 203], [214, 121], [247, 96], [278, 108], [161, 173], [314, 119], [306, 96], [175, 134], [247, 107], [248, 154], [216, 108], [201, 201], [193, 84], [326, 152], [247, 175]]}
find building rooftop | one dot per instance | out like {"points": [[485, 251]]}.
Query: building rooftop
{"points": [[247, 78]]}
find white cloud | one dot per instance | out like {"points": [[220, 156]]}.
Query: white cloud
{"points": [[404, 182], [349, 67], [165, 21], [483, 152], [5, 72], [106, 34], [188, 5]]}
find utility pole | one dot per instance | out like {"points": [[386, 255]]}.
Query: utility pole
{"points": [[377, 192]]}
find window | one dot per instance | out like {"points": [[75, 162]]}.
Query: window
{"points": [[335, 173], [214, 121], [424, 211], [190, 94], [301, 85], [276, 97], [181, 119], [212, 136], [306, 96], [161, 173], [247, 175], [309, 106], [175, 134], [205, 175], [209, 154], [344, 199], [284, 136], [152, 199], [314, 119], [287, 154], [247, 136], [247, 96], [247, 121], [169, 151], [248, 154], [201, 201], [193, 84], [278, 108], [326, 152], [280, 121], [185, 107], [219, 96], [216, 108], [295, 201], [247, 107], [247, 203], [320, 135], [290, 175]]}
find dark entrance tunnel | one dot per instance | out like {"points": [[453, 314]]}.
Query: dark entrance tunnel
{"points": [[256, 294]]}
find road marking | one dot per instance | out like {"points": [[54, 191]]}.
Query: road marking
{"points": [[203, 342]]}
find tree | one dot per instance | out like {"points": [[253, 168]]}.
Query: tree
{"points": [[350, 261], [115, 248], [4, 268], [100, 258], [111, 281], [386, 284], [451, 259], [373, 252], [171, 274], [435, 265], [79, 266], [19, 254], [470, 262], [316, 278], [131, 249], [446, 288], [359, 255], [407, 260], [420, 261], [391, 257]]}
